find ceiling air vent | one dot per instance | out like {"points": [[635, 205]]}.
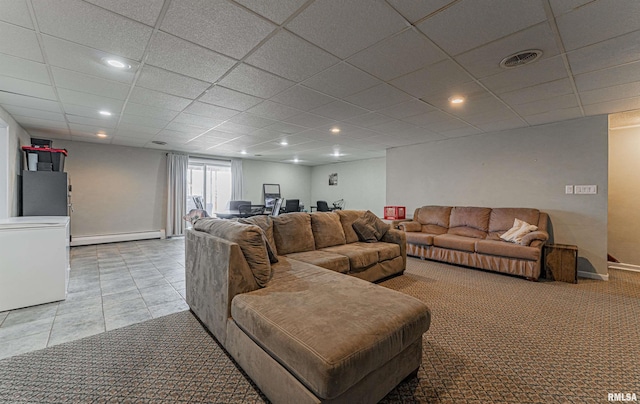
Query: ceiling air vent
{"points": [[520, 58], [159, 142]]}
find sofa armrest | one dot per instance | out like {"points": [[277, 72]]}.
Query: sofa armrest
{"points": [[410, 226], [397, 237], [535, 238]]}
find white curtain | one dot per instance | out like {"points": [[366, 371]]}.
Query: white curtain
{"points": [[176, 192], [236, 179]]}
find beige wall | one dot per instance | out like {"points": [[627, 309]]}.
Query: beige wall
{"points": [[526, 167], [362, 184], [17, 137], [116, 189], [294, 180], [624, 193]]}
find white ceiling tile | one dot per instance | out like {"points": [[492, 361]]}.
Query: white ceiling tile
{"points": [[251, 120], [34, 113], [128, 129], [628, 90], [197, 120], [302, 98], [144, 121], [225, 97], [217, 25], [212, 111], [598, 21], [339, 110], [406, 109], [28, 102], [553, 116], [288, 56], [397, 55], [469, 91], [80, 110], [130, 134], [49, 133], [341, 80], [432, 79], [485, 60], [84, 23], [538, 92], [128, 141], [495, 115], [613, 76], [272, 110], [378, 97], [20, 42], [460, 132], [177, 55], [145, 11], [496, 126], [368, 120], [28, 88], [171, 83], [395, 127], [31, 122], [428, 118], [109, 123], [133, 108], [275, 10], [346, 27], [220, 135], [16, 12], [89, 100], [250, 80], [157, 99], [284, 127], [88, 138], [185, 128], [83, 59], [477, 22], [23, 69], [542, 71], [237, 128], [564, 6], [78, 129], [89, 84], [309, 120], [616, 51], [414, 10]]}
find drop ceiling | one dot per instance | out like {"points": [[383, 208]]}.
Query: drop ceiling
{"points": [[237, 78]]}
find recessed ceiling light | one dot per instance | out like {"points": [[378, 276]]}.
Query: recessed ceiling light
{"points": [[456, 99], [118, 64], [283, 143], [295, 160], [101, 135], [105, 113], [335, 130], [336, 154], [243, 152]]}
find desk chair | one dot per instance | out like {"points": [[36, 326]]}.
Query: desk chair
{"points": [[292, 205], [233, 205], [322, 206]]}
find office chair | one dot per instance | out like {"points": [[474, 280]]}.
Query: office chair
{"points": [[322, 206], [292, 205], [233, 205]]}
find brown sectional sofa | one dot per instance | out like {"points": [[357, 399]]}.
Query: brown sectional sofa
{"points": [[470, 236], [277, 294]]}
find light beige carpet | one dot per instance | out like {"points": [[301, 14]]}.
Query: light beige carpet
{"points": [[494, 338]]}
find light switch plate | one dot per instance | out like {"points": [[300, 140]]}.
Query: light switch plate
{"points": [[586, 189], [568, 189]]}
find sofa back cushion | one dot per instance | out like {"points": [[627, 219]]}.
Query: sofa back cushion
{"points": [[347, 217], [501, 219], [251, 240], [434, 219], [469, 221], [266, 224], [292, 233], [327, 229]]}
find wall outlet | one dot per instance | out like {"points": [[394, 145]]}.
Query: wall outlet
{"points": [[586, 189], [568, 189]]}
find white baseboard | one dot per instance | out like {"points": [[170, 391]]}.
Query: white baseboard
{"points": [[624, 267], [593, 275], [115, 238]]}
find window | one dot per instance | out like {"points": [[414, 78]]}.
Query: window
{"points": [[209, 184]]}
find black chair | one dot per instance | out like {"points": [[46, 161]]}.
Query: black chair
{"points": [[292, 205], [322, 206], [247, 209], [233, 205]]}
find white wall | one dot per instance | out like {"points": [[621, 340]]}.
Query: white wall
{"points": [[624, 193], [294, 180], [362, 184], [526, 167], [11, 157], [116, 189]]}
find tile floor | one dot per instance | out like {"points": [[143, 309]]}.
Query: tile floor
{"points": [[110, 286]]}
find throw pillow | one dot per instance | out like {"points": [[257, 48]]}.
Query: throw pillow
{"points": [[380, 228], [365, 231], [518, 231], [264, 223], [194, 215]]}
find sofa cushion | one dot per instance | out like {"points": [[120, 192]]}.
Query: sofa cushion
{"points": [[359, 258], [266, 224], [501, 219], [324, 259], [369, 227], [347, 217], [251, 240], [327, 229], [386, 251], [434, 219], [469, 221], [328, 329], [419, 238], [455, 242], [506, 249], [292, 233]]}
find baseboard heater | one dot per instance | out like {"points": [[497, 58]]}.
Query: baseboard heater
{"points": [[115, 238]]}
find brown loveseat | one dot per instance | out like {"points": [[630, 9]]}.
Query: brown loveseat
{"points": [[277, 295], [470, 236]]}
